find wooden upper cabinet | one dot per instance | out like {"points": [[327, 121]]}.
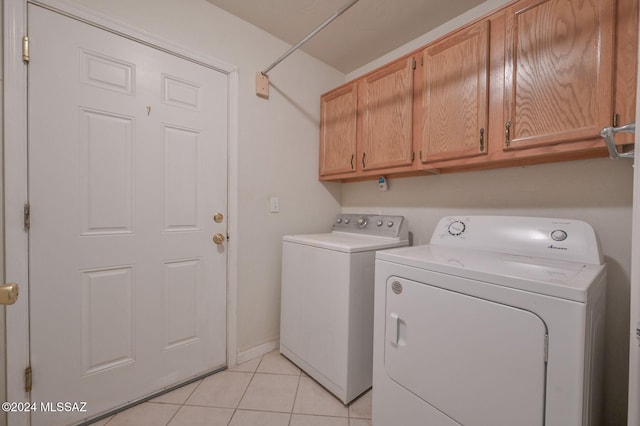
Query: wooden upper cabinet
{"points": [[338, 129], [386, 105], [558, 71], [626, 66], [454, 107]]}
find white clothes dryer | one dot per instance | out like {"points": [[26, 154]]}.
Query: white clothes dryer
{"points": [[499, 321], [326, 324]]}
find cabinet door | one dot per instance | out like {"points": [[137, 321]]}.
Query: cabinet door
{"points": [[558, 71], [338, 126], [386, 102], [455, 95]]}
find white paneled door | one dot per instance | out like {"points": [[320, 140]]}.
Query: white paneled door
{"points": [[127, 168]]}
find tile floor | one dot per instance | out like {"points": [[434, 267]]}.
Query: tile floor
{"points": [[267, 391]]}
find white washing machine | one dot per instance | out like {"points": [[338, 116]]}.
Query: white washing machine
{"points": [[326, 323], [499, 321]]}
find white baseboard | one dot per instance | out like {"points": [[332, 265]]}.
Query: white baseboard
{"points": [[257, 351]]}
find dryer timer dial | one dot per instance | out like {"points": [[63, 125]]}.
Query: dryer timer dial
{"points": [[457, 227]]}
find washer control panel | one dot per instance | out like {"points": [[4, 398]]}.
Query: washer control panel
{"points": [[368, 224]]}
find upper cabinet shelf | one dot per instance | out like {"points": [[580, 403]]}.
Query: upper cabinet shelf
{"points": [[533, 82]]}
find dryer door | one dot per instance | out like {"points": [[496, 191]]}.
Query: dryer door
{"points": [[477, 361]]}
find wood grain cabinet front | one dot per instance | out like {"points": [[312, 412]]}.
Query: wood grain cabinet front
{"points": [[338, 131], [366, 126], [533, 82], [559, 62], [386, 105], [454, 94]]}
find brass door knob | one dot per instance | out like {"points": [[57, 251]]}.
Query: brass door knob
{"points": [[218, 217], [8, 294], [218, 238]]}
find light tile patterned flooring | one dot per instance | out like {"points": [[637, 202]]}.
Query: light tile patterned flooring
{"points": [[267, 391]]}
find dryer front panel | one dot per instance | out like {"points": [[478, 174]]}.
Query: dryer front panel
{"points": [[477, 361]]}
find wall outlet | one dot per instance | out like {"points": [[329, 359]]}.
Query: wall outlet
{"points": [[274, 204]]}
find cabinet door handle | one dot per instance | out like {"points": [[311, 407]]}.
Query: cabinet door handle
{"points": [[364, 155], [507, 134], [352, 157], [482, 139]]}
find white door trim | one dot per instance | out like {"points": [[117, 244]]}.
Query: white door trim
{"points": [[15, 168]]}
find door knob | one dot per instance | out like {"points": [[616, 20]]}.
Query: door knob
{"points": [[218, 217], [218, 238], [8, 294]]}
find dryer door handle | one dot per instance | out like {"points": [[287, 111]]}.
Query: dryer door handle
{"points": [[397, 330]]}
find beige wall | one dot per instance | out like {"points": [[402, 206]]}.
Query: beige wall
{"points": [[596, 191], [278, 142]]}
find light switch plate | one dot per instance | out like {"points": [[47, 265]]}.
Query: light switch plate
{"points": [[275, 205]]}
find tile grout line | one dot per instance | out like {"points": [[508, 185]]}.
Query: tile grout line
{"points": [[253, 374], [295, 397], [183, 402]]}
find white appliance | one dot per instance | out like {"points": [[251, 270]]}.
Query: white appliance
{"points": [[326, 324], [499, 321]]}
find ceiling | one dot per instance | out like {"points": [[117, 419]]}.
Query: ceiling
{"points": [[366, 31]]}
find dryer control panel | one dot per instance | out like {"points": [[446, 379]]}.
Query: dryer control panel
{"points": [[547, 238]]}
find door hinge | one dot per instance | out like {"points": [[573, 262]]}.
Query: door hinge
{"points": [[413, 156], [27, 379], [615, 119], [25, 49], [546, 348], [638, 332], [27, 216]]}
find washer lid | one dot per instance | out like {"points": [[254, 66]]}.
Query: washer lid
{"points": [[345, 242], [567, 280]]}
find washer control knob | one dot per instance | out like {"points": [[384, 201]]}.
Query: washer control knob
{"points": [[339, 220], [379, 223], [347, 220], [362, 222], [390, 223], [558, 235], [456, 228]]}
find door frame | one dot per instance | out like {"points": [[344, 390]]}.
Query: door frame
{"points": [[16, 183]]}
